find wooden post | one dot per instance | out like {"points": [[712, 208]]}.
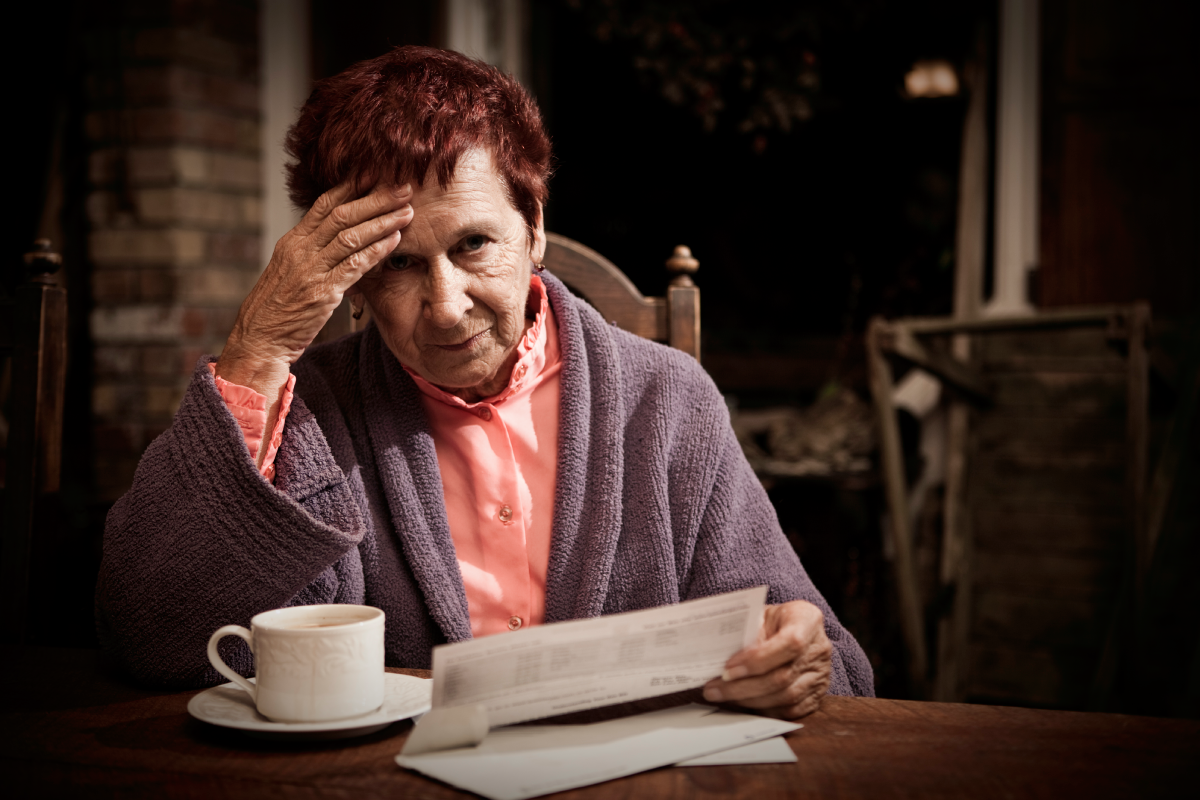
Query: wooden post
{"points": [[683, 302], [892, 459], [972, 189], [1175, 442], [1136, 437], [955, 569], [1120, 641], [955, 574], [34, 457]]}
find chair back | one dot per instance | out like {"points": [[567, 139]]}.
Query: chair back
{"points": [[33, 338], [674, 319]]}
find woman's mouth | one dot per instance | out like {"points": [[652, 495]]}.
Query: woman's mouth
{"points": [[464, 345]]}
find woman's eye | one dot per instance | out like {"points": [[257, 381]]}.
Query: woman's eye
{"points": [[398, 262], [472, 243]]}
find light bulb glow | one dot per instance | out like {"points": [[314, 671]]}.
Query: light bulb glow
{"points": [[931, 78]]}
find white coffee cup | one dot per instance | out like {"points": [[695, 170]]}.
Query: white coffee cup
{"points": [[313, 663]]}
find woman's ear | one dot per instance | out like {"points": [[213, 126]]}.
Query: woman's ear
{"points": [[354, 295], [537, 247]]}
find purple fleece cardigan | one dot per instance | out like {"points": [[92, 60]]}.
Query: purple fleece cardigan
{"points": [[654, 504]]}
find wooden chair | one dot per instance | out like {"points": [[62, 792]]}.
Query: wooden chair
{"points": [[674, 319], [1044, 520], [33, 335]]}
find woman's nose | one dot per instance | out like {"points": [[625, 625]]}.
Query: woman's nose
{"points": [[446, 297]]}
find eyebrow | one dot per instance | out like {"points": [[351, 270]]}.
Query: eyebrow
{"points": [[476, 227]]}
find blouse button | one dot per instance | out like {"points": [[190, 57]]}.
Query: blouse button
{"points": [[521, 371], [514, 622], [485, 414], [505, 515]]}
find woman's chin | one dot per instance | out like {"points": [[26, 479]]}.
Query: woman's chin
{"points": [[456, 378]]}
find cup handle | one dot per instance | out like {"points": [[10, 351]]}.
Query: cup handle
{"points": [[221, 666]]}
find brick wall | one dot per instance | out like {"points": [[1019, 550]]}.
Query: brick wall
{"points": [[174, 207]]}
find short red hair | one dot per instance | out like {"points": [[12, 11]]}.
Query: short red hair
{"points": [[396, 117]]}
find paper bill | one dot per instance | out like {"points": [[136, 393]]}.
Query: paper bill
{"points": [[571, 666]]}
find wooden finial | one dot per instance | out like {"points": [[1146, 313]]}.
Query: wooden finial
{"points": [[41, 262], [682, 265]]}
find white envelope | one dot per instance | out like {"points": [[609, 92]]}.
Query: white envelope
{"points": [[527, 761]]}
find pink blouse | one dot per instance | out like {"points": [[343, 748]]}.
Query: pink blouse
{"points": [[249, 409], [498, 462]]}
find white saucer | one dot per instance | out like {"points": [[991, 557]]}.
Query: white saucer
{"points": [[230, 706]]}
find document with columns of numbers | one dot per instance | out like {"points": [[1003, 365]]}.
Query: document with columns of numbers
{"points": [[555, 669], [563, 667]]}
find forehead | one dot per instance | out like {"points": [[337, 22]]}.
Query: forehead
{"points": [[475, 202], [475, 189]]}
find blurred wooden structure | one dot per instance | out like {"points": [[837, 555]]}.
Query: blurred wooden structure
{"points": [[1045, 524], [33, 333], [674, 319]]}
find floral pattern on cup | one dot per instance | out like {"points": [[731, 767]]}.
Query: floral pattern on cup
{"points": [[321, 658]]}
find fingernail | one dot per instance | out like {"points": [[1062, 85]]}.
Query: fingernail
{"points": [[733, 673], [713, 694], [400, 191]]}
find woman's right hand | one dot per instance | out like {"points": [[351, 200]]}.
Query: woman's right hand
{"points": [[335, 244]]}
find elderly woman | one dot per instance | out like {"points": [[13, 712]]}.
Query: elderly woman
{"points": [[488, 454]]}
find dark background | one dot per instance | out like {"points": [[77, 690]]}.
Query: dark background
{"points": [[802, 235]]}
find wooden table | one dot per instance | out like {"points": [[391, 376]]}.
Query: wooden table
{"points": [[71, 729]]}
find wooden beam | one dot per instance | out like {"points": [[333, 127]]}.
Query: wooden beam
{"points": [[950, 370], [1066, 318], [892, 460]]}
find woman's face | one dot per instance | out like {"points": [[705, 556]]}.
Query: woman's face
{"points": [[450, 299]]}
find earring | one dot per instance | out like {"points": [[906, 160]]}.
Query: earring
{"points": [[356, 311], [540, 267]]}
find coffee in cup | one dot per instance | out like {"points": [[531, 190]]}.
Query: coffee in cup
{"points": [[313, 663]]}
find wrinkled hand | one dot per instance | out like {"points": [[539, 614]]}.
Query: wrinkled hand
{"points": [[312, 266], [786, 673]]}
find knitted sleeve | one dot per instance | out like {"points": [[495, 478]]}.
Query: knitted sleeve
{"points": [[203, 540], [740, 544]]}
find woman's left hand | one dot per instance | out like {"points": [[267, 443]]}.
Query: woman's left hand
{"points": [[786, 673]]}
